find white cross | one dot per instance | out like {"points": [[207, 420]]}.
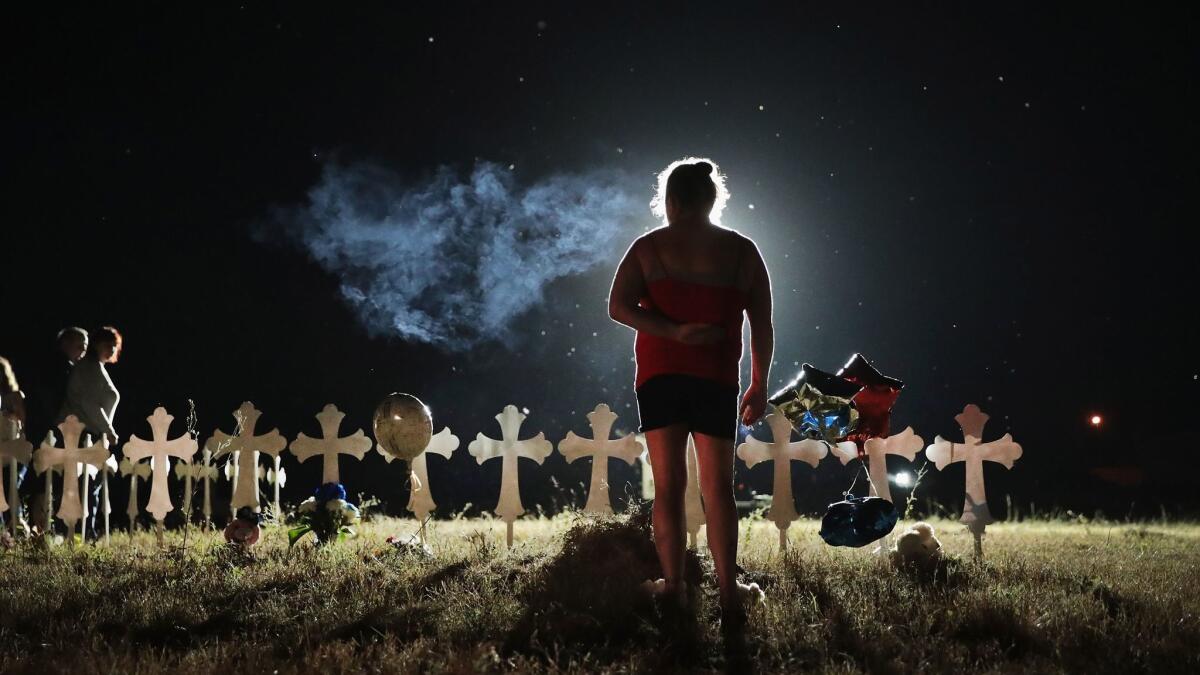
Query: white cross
{"points": [[196, 471], [244, 446], [135, 471], [600, 448], [905, 444], [69, 457], [973, 452], [109, 468], [782, 452], [420, 496], [160, 451], [508, 448], [209, 475], [693, 505], [16, 450], [329, 446], [49, 514], [277, 477]]}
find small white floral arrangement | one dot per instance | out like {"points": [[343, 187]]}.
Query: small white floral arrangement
{"points": [[326, 514]]}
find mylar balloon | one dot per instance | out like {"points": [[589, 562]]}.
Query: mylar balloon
{"points": [[858, 521], [874, 401], [403, 426], [818, 404]]}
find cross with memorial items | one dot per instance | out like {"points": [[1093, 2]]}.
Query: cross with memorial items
{"points": [[420, 496], [905, 444], [509, 448], [600, 448], [782, 452], [973, 453]]}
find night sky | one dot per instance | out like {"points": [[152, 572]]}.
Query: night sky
{"points": [[993, 204]]}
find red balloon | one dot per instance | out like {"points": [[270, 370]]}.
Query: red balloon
{"points": [[874, 401]]}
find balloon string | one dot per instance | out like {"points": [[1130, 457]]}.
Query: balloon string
{"points": [[414, 534], [862, 468]]}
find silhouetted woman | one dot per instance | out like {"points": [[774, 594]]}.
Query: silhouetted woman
{"points": [[683, 288], [91, 395], [93, 398]]}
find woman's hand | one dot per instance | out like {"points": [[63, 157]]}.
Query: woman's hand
{"points": [[754, 404], [699, 333]]}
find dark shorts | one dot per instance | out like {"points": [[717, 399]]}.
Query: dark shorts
{"points": [[704, 406]]}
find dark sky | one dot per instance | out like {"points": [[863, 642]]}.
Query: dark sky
{"points": [[993, 204]]}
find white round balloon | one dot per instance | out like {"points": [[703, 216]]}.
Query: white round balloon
{"points": [[403, 425]]}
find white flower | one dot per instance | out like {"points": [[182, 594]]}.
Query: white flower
{"points": [[308, 505], [335, 504]]}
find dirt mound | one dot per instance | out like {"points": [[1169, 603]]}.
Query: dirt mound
{"points": [[588, 593]]}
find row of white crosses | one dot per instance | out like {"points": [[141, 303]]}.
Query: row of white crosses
{"points": [[783, 451], [244, 447], [509, 448]]}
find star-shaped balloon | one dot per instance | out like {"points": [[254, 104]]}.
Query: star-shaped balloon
{"points": [[874, 401], [818, 404]]}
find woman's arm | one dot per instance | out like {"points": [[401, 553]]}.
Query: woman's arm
{"points": [[629, 287], [762, 338]]}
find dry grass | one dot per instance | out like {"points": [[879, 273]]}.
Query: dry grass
{"points": [[1051, 597]]}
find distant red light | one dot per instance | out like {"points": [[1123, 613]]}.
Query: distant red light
{"points": [[1096, 420]]}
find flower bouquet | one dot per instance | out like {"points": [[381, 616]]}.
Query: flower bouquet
{"points": [[326, 514]]}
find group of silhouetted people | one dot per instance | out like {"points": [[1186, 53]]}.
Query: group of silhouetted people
{"points": [[71, 380]]}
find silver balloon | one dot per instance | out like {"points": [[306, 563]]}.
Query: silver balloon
{"points": [[403, 426]]}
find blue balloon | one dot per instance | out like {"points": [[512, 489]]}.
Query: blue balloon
{"points": [[858, 521], [825, 425]]}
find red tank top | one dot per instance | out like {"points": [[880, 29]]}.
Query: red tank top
{"points": [[692, 302]]}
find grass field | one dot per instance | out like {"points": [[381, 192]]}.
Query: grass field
{"points": [[1050, 597]]}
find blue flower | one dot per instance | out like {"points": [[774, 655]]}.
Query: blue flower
{"points": [[329, 492]]}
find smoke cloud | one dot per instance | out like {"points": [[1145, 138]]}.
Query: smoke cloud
{"points": [[454, 260]]}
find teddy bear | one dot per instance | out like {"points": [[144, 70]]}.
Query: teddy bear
{"points": [[917, 549]]}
